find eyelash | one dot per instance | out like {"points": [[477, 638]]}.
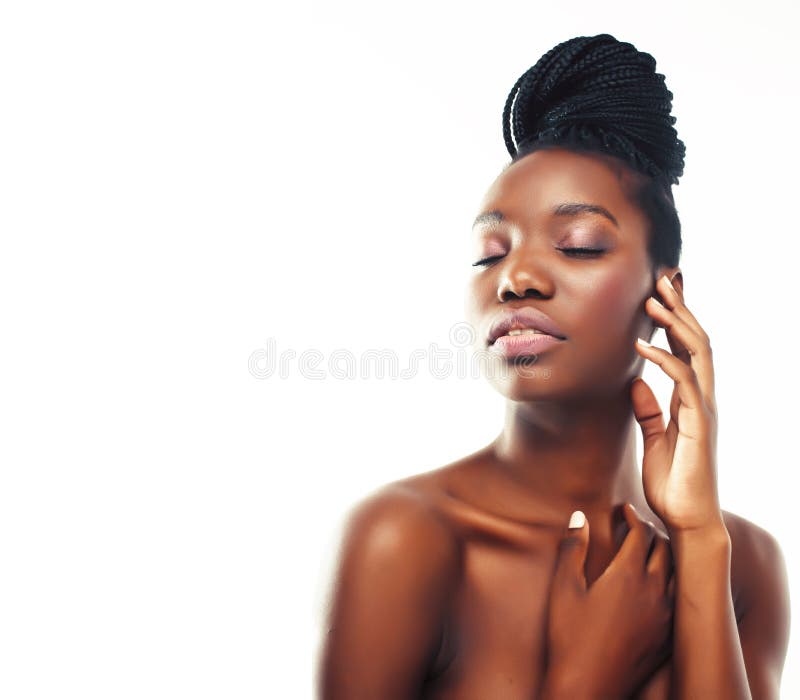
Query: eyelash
{"points": [[589, 252]]}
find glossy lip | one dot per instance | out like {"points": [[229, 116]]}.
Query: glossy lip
{"points": [[523, 317], [511, 346]]}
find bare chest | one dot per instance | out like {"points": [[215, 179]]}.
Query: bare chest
{"points": [[495, 641]]}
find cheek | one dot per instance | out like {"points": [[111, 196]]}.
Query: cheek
{"points": [[611, 303]]}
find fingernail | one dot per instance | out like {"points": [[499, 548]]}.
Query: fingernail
{"points": [[669, 284], [657, 302], [577, 520], [642, 341]]}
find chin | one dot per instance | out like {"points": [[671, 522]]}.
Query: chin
{"points": [[540, 381], [526, 382]]}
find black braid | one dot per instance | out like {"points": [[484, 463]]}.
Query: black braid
{"points": [[599, 94]]}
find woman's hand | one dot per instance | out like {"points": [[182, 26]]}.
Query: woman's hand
{"points": [[679, 470], [608, 639]]}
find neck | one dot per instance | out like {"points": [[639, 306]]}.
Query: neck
{"points": [[577, 455]]}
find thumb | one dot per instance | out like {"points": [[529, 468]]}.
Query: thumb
{"points": [[647, 411], [572, 554]]}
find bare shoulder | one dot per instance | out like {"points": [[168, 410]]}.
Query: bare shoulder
{"points": [[398, 520], [755, 552], [396, 532], [758, 571], [746, 529], [397, 564], [752, 546]]}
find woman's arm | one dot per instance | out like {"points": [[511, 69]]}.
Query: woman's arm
{"points": [[707, 656], [679, 474], [763, 633], [383, 627], [712, 657]]}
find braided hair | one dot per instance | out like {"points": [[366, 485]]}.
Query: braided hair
{"points": [[603, 95]]}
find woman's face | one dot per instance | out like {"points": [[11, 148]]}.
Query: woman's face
{"points": [[596, 300]]}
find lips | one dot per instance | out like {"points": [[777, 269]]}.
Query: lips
{"points": [[524, 317]]}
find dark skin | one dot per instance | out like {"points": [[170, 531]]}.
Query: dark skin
{"points": [[463, 582]]}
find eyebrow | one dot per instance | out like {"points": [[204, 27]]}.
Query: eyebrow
{"points": [[565, 209]]}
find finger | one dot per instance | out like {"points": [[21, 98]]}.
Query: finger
{"points": [[657, 312], [570, 566], [674, 301], [679, 321], [681, 373], [657, 441], [637, 542], [671, 588], [683, 339], [647, 413], [687, 345], [660, 561]]}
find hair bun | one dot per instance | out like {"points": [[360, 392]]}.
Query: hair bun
{"points": [[599, 93]]}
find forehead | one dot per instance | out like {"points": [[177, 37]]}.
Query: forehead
{"points": [[547, 177]]}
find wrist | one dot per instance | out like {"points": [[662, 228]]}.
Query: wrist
{"points": [[712, 538]]}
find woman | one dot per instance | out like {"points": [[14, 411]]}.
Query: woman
{"points": [[546, 565]]}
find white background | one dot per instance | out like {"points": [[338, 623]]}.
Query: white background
{"points": [[184, 183]]}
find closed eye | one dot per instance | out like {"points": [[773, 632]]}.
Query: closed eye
{"points": [[572, 252], [487, 261], [588, 252]]}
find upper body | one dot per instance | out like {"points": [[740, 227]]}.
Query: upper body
{"points": [[449, 583], [442, 591]]}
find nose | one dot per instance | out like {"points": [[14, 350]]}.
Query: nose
{"points": [[522, 278]]}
